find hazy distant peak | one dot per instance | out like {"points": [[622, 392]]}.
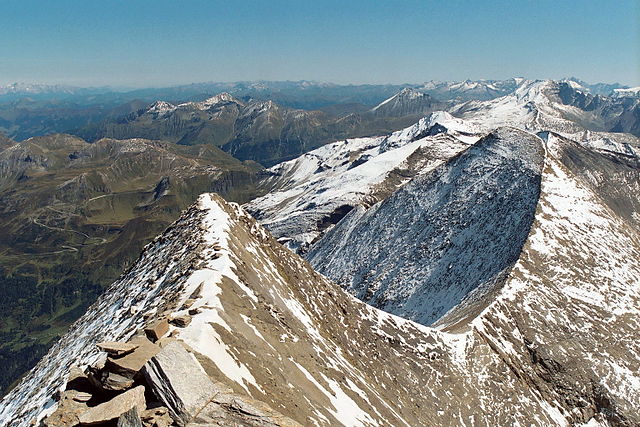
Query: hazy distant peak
{"points": [[632, 92], [161, 107]]}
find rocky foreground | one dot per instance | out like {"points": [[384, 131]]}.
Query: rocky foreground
{"points": [[153, 381]]}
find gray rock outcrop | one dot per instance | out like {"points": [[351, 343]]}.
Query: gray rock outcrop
{"points": [[114, 408]]}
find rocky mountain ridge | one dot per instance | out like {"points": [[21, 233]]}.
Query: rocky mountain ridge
{"points": [[251, 129], [313, 208], [512, 230], [74, 214], [525, 358]]}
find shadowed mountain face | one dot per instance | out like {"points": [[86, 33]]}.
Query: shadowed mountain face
{"points": [[73, 215], [446, 237]]}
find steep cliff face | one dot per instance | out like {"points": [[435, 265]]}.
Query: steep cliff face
{"points": [[446, 236], [557, 345]]}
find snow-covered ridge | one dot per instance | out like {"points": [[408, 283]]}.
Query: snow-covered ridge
{"points": [[309, 194], [161, 108], [535, 107], [631, 92], [343, 174], [415, 253], [221, 98], [406, 93]]}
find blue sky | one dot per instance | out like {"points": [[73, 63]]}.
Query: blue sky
{"points": [[138, 43]]}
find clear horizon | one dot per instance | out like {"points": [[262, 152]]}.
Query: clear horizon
{"points": [[134, 88], [162, 43]]}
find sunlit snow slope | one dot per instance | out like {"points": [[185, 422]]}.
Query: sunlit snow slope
{"points": [[432, 238], [308, 195]]}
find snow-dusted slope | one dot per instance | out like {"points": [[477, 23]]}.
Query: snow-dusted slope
{"points": [[447, 233], [468, 89], [558, 346], [632, 92], [407, 102], [539, 106], [309, 194]]}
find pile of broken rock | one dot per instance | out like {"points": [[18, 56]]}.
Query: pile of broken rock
{"points": [[115, 391], [154, 381]]}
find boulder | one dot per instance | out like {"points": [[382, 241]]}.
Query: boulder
{"points": [[130, 364], [131, 418], [156, 417], [181, 321], [179, 382], [116, 348], [68, 411], [75, 372], [78, 380], [116, 382], [157, 329], [188, 303], [114, 408]]}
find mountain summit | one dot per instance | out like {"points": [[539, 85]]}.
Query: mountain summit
{"points": [[407, 102], [496, 248]]}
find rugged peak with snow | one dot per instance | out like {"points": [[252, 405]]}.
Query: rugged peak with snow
{"points": [[407, 102], [161, 108], [500, 239], [632, 92], [546, 105], [214, 101]]}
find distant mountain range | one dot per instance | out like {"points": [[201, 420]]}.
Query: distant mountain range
{"points": [[262, 131], [269, 133], [34, 110]]}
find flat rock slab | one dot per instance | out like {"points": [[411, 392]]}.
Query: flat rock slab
{"points": [[114, 348], [116, 382], [181, 321], [232, 409], [129, 365], [114, 408], [157, 329], [68, 411], [178, 380]]}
